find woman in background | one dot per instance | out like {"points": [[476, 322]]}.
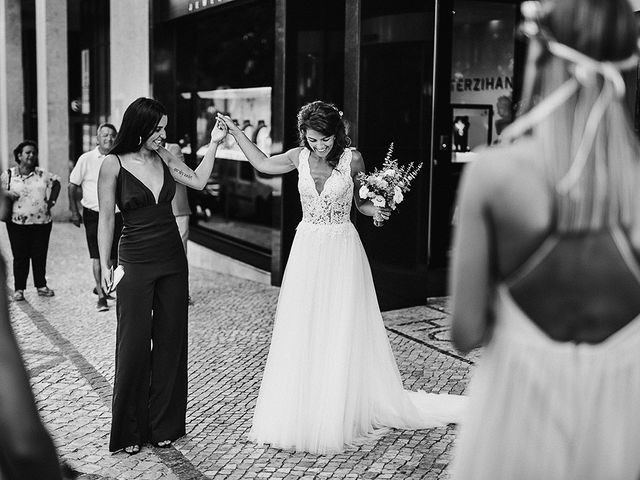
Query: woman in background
{"points": [[545, 267], [34, 191]]}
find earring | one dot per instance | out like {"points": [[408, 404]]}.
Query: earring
{"points": [[139, 141]]}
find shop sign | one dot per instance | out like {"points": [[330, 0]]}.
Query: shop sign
{"points": [[179, 8]]}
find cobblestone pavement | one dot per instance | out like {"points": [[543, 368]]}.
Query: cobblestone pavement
{"points": [[69, 350]]}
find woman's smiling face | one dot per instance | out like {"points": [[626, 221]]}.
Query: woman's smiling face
{"points": [[320, 143], [159, 135]]}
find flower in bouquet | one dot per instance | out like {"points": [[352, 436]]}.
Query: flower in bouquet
{"points": [[385, 187]]}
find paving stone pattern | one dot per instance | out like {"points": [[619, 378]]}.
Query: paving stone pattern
{"points": [[69, 349]]}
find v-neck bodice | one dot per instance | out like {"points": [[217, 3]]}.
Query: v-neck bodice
{"points": [[133, 193], [331, 205], [150, 233]]}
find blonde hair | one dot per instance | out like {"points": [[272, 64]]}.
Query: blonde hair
{"points": [[589, 149]]}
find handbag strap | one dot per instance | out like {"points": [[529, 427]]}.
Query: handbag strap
{"points": [[9, 179]]}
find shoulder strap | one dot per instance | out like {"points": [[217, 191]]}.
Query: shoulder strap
{"points": [[626, 251], [532, 261], [344, 162], [118, 157], [8, 179], [303, 157]]}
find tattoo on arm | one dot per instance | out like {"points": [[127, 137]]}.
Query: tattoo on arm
{"points": [[183, 174]]}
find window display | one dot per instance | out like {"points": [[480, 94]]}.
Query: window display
{"points": [[471, 129], [225, 63], [237, 199], [482, 73]]}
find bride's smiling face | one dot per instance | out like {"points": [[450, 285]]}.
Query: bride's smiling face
{"points": [[320, 143]]}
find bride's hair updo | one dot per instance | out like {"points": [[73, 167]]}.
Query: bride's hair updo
{"points": [[327, 119]]}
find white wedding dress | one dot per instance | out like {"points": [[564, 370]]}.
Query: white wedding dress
{"points": [[331, 379]]}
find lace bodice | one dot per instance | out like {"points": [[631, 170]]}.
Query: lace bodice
{"points": [[333, 205]]}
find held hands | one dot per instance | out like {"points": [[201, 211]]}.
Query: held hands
{"points": [[219, 132], [230, 124]]}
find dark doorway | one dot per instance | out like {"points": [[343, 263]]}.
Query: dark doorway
{"points": [[395, 106]]}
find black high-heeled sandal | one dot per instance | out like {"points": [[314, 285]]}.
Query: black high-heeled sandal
{"points": [[132, 449]]}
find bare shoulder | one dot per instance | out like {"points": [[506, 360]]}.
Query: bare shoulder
{"points": [[357, 162], [503, 166], [356, 156], [293, 155], [110, 165]]}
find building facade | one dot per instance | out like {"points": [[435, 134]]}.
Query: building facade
{"points": [[436, 78]]}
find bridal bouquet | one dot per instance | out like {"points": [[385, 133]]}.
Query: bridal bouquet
{"points": [[386, 187]]}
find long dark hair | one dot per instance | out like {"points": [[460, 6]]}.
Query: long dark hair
{"points": [[138, 123], [18, 150], [327, 119]]}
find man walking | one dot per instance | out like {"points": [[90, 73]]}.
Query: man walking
{"points": [[85, 176]]}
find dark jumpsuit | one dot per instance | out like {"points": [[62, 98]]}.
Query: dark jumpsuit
{"points": [[150, 389]]}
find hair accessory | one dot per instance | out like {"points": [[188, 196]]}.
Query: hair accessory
{"points": [[585, 70], [336, 109]]}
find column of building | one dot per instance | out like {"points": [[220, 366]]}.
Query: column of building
{"points": [[130, 54], [11, 80], [53, 101]]}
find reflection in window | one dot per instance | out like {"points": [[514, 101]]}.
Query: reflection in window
{"points": [[237, 200], [225, 63], [482, 67]]}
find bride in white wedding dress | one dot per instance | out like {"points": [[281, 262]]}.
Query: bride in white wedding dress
{"points": [[331, 379]]}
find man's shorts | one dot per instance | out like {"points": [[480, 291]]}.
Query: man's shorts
{"points": [[90, 220]]}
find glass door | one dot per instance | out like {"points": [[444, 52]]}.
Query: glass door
{"points": [[477, 82], [395, 98]]}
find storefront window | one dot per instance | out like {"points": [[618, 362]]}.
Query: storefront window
{"points": [[482, 74], [229, 69]]}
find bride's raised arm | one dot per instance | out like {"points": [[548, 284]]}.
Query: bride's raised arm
{"points": [[274, 165]]}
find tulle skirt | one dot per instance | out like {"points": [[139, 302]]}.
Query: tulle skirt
{"points": [[541, 409], [331, 379]]}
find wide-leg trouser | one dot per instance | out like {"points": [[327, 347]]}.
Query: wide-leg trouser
{"points": [[150, 388], [29, 242]]}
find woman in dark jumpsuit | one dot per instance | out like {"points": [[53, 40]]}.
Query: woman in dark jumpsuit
{"points": [[150, 388]]}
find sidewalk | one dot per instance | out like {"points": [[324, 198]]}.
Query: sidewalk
{"points": [[69, 350]]}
